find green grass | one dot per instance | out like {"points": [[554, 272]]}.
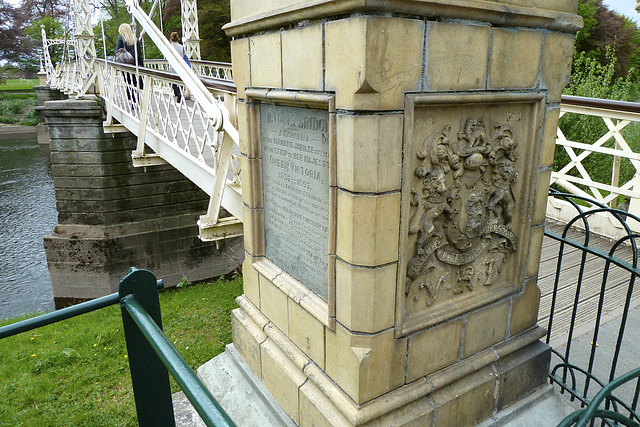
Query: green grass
{"points": [[19, 84], [18, 110], [76, 371]]}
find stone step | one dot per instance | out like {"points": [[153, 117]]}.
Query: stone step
{"points": [[541, 408], [238, 390]]}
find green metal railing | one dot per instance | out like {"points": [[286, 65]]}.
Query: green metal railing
{"points": [[592, 412], [151, 354], [572, 376]]}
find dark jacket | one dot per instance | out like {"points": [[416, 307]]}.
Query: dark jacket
{"points": [[120, 43]]}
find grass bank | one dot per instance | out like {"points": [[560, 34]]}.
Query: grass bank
{"points": [[19, 84], [17, 99], [76, 372]]}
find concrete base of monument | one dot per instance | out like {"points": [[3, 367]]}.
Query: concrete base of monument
{"points": [[464, 394], [239, 392], [249, 403], [541, 408]]}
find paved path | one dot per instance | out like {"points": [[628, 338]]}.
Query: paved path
{"points": [[627, 361], [616, 285]]}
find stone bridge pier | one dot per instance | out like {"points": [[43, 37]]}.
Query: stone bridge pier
{"points": [[397, 157], [112, 216]]}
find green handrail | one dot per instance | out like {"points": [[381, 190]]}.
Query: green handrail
{"points": [[63, 313], [582, 417], [210, 411], [151, 354]]}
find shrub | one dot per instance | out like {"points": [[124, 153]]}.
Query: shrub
{"points": [[18, 111], [592, 79], [31, 118]]}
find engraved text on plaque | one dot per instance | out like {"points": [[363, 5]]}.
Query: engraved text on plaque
{"points": [[295, 173]]}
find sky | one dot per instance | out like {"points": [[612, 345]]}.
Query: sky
{"points": [[625, 7]]}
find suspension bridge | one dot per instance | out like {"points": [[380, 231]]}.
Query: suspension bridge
{"points": [[197, 135]]}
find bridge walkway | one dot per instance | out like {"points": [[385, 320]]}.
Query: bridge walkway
{"points": [[617, 283]]}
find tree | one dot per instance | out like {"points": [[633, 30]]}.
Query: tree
{"points": [[113, 13], [212, 16], [604, 27], [594, 80], [172, 16], [33, 32], [20, 36], [12, 43], [38, 9]]}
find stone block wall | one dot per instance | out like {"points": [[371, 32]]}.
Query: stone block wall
{"points": [[112, 216], [44, 94]]}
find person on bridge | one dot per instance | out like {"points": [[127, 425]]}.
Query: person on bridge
{"points": [[127, 40], [174, 39]]}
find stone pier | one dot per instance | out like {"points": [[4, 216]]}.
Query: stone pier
{"points": [[112, 216], [45, 93], [396, 162]]}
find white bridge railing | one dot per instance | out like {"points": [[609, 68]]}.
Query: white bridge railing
{"points": [[616, 115], [213, 70], [196, 134]]}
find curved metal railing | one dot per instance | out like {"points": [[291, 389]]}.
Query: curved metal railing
{"points": [[209, 69], [151, 355], [181, 131], [604, 281]]}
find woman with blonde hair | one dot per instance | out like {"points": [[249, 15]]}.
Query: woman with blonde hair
{"points": [[127, 40]]}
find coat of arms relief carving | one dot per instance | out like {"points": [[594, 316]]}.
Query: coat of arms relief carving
{"points": [[462, 210]]}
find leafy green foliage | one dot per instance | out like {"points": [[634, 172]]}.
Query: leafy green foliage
{"points": [[76, 372], [213, 15], [33, 31], [594, 80], [172, 17], [587, 9], [30, 119], [18, 110], [184, 281], [605, 28], [20, 37], [114, 13]]}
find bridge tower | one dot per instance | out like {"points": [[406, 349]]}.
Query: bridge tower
{"points": [[190, 31], [85, 43]]}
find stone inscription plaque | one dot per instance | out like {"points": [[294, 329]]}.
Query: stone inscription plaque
{"points": [[295, 175]]}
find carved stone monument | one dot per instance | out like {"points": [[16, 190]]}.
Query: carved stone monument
{"points": [[397, 158]]}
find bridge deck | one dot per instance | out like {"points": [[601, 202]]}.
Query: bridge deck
{"points": [[184, 135], [616, 287]]}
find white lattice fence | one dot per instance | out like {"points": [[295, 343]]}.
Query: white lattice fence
{"points": [[574, 177]]}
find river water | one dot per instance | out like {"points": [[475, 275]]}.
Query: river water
{"points": [[27, 214]]}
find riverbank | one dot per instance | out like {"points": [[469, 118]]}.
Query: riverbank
{"points": [[76, 372], [12, 131], [18, 109]]}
